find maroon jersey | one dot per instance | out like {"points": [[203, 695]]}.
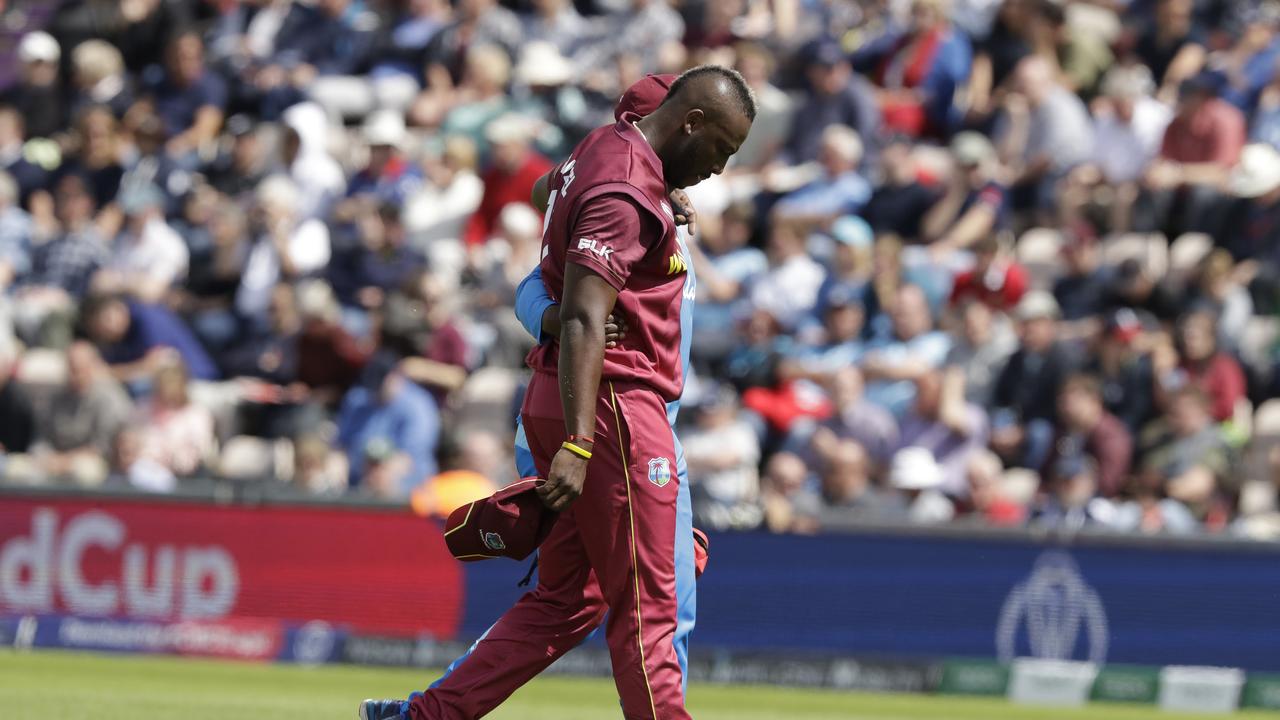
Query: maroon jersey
{"points": [[608, 212]]}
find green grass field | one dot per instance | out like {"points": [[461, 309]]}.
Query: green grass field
{"points": [[76, 686]]}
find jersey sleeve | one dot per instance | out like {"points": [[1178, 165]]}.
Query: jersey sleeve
{"points": [[532, 302], [609, 237]]}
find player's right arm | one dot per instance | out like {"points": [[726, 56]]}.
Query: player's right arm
{"points": [[604, 244], [588, 300]]}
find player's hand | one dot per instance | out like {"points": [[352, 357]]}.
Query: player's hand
{"points": [[683, 209], [564, 480], [615, 329]]}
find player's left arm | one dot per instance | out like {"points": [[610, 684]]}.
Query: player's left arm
{"points": [[541, 193], [535, 309]]}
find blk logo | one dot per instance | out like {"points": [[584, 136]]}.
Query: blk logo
{"points": [[595, 246]]}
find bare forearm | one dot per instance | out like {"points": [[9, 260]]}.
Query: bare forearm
{"points": [[205, 129], [942, 214], [437, 374], [973, 225], [880, 369], [131, 371], [581, 358], [1208, 173]]}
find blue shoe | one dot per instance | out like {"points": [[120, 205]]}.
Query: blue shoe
{"points": [[380, 710]]}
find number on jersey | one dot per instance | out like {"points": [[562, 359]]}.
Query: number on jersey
{"points": [[567, 176]]}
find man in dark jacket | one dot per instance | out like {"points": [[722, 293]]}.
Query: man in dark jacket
{"points": [[1026, 395]]}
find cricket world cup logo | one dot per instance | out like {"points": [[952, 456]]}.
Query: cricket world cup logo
{"points": [[1051, 608]]}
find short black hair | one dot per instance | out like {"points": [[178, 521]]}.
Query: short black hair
{"points": [[744, 99], [1084, 382], [93, 305]]}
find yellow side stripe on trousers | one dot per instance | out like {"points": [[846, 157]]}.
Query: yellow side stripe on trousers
{"points": [[635, 564]]}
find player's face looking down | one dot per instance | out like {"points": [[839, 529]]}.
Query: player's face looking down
{"points": [[702, 148]]}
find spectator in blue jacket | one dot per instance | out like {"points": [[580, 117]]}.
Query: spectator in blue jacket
{"points": [[389, 428], [189, 98], [136, 339], [838, 97]]}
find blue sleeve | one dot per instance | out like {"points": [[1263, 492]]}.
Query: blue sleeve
{"points": [[950, 70], [158, 326], [532, 302], [865, 116], [213, 91], [346, 417]]}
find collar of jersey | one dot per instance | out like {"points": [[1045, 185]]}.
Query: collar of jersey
{"points": [[627, 128]]}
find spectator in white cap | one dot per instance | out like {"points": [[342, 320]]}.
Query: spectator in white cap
{"points": [[388, 176], [520, 231], [514, 169], [1251, 230], [916, 473], [1128, 125], [37, 95], [545, 92], [288, 246]]}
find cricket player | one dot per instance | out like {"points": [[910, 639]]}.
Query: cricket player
{"points": [[596, 418]]}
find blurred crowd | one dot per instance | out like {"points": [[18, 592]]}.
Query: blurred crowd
{"points": [[999, 262]]}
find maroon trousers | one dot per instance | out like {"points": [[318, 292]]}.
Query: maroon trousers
{"points": [[613, 550]]}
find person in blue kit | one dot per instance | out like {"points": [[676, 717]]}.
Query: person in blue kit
{"points": [[539, 315]]}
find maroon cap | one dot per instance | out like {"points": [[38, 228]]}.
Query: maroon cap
{"points": [[511, 523], [645, 96]]}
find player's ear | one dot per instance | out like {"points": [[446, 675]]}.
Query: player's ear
{"points": [[694, 120]]}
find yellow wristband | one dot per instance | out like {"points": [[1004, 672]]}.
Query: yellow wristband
{"points": [[580, 452]]}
